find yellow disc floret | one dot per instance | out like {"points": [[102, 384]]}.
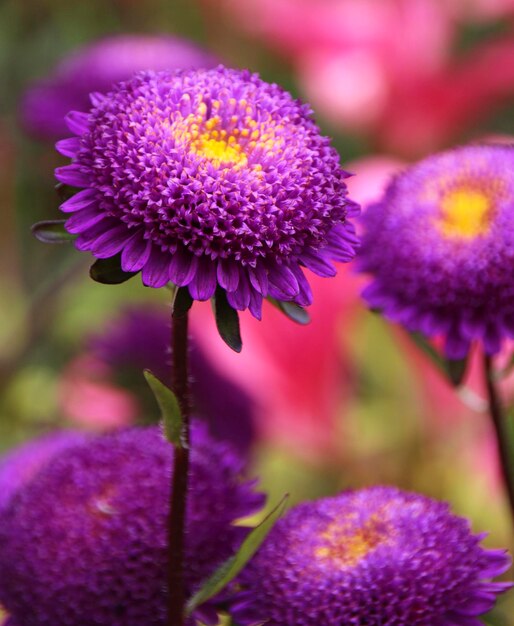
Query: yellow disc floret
{"points": [[346, 543], [465, 212]]}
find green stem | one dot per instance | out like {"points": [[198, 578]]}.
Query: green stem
{"points": [[504, 441], [179, 483]]}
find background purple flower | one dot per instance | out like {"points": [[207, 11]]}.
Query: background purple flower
{"points": [[97, 67], [374, 557], [439, 247], [20, 465], [205, 178], [138, 339], [85, 542]]}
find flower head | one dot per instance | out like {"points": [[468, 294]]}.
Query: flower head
{"points": [[20, 465], [440, 248], [206, 178], [86, 540], [97, 67], [374, 557]]}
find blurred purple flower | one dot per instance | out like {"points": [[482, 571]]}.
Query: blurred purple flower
{"points": [[138, 339], [86, 542], [20, 465], [97, 67], [374, 557], [439, 248], [207, 178]]}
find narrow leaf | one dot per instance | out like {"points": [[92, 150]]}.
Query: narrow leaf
{"points": [[170, 409], [227, 321], [182, 302], [232, 566], [109, 272], [453, 370], [293, 311], [52, 231]]}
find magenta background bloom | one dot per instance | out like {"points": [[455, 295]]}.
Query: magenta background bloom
{"points": [[97, 67], [208, 177], [20, 465], [439, 247], [85, 542], [374, 557]]}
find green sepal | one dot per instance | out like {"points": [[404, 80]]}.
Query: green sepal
{"points": [[227, 321], [52, 231], [233, 566], [65, 192], [109, 272], [170, 409], [182, 302], [293, 311], [453, 369]]}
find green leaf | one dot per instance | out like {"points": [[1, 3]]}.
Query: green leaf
{"points": [[232, 566], [170, 409], [227, 321], [453, 370], [52, 231], [294, 312], [182, 302], [109, 272]]}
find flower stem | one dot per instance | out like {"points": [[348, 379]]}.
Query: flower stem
{"points": [[179, 486], [504, 441]]}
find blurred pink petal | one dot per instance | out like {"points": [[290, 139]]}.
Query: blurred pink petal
{"points": [[297, 376], [88, 398]]}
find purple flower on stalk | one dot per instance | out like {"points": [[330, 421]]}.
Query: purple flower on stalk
{"points": [[20, 465], [440, 248], [374, 557], [86, 541], [206, 178], [97, 67]]}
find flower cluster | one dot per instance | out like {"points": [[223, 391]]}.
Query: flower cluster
{"points": [[440, 247], [84, 542], [206, 178], [374, 557]]}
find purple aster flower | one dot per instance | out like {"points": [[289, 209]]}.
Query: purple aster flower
{"points": [[138, 339], [85, 542], [374, 557], [440, 248], [20, 465], [208, 177], [96, 68]]}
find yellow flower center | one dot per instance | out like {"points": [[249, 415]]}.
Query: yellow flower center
{"points": [[465, 213], [347, 545], [220, 151]]}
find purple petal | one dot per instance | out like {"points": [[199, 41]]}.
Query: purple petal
{"points": [[77, 122], [497, 562], [110, 243], [228, 275], [136, 253], [156, 272], [80, 200], [68, 147], [203, 285], [239, 299], [255, 304], [182, 267], [259, 279], [82, 220], [318, 264], [304, 297], [72, 175], [283, 284], [479, 603]]}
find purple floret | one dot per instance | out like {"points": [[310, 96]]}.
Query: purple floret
{"points": [[85, 542], [97, 67], [20, 465], [206, 178], [374, 557], [439, 247]]}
